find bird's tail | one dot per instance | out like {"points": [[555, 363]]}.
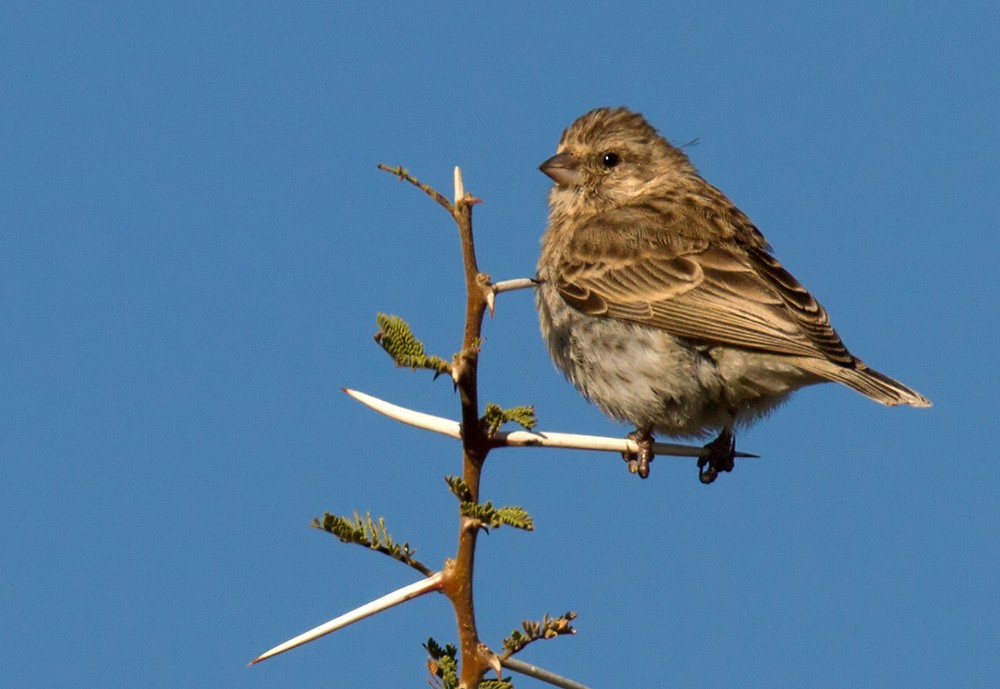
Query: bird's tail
{"points": [[875, 385]]}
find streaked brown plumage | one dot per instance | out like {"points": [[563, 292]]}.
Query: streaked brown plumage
{"points": [[661, 302]]}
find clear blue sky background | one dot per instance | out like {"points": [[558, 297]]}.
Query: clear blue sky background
{"points": [[194, 241]]}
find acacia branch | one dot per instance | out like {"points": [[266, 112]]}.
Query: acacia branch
{"points": [[457, 583], [455, 578]]}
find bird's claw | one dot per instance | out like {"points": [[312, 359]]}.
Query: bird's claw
{"points": [[638, 463], [721, 457]]}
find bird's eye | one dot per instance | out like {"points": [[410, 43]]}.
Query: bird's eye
{"points": [[610, 159]]}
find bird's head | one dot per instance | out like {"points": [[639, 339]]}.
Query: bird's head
{"points": [[607, 158]]}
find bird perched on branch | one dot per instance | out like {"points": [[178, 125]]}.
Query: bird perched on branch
{"points": [[661, 302]]}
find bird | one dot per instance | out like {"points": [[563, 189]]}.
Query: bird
{"points": [[662, 303]]}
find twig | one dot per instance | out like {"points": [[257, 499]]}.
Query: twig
{"points": [[401, 172], [431, 583]]}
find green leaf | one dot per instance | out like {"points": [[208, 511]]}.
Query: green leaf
{"points": [[504, 683], [396, 338], [533, 630], [495, 517], [442, 664], [459, 488], [371, 534], [494, 416]]}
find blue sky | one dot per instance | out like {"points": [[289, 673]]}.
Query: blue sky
{"points": [[195, 241]]}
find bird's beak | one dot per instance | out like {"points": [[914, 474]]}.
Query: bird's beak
{"points": [[563, 168]]}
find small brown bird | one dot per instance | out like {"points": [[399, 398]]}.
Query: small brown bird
{"points": [[661, 302]]}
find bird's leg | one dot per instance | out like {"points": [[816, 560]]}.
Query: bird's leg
{"points": [[721, 456], [639, 463]]}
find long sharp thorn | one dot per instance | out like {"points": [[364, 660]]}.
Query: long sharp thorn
{"points": [[431, 583]]}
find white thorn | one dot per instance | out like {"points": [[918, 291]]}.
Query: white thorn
{"points": [[509, 285], [459, 186], [408, 416], [576, 441], [431, 583], [491, 299]]}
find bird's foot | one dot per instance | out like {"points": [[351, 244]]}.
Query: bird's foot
{"points": [[721, 456], [638, 463]]}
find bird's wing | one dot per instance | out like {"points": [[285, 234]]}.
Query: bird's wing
{"points": [[631, 264]]}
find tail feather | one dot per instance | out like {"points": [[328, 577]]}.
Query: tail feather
{"points": [[873, 384]]}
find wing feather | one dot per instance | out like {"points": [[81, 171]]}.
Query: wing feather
{"points": [[642, 264]]}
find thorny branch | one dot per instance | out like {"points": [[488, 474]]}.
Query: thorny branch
{"points": [[457, 581], [478, 438]]}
